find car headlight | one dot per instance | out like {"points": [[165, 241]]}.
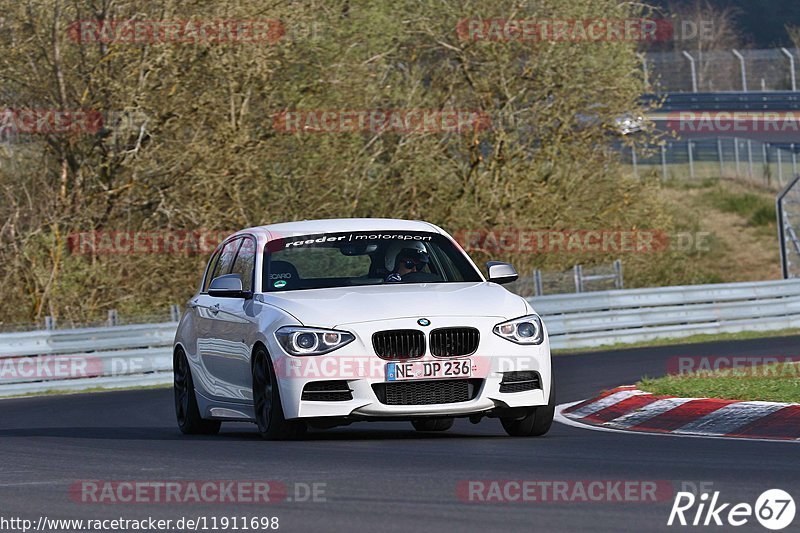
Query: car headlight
{"points": [[523, 330], [311, 341]]}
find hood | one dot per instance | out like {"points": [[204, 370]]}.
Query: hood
{"points": [[348, 305]]}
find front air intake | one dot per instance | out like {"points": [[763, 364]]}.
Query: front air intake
{"points": [[427, 392], [520, 381], [327, 391]]}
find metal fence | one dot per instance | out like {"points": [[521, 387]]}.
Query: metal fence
{"points": [[722, 70], [788, 210], [765, 163], [141, 355], [579, 279]]}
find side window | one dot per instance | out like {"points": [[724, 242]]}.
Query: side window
{"points": [[226, 258], [210, 271], [245, 263]]}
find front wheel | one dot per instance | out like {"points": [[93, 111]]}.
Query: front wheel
{"points": [[267, 402], [535, 424], [186, 410]]}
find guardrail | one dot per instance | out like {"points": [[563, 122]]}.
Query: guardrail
{"points": [[635, 315], [141, 355], [33, 362], [725, 101]]}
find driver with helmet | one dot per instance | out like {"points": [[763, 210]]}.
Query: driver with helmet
{"points": [[403, 259]]}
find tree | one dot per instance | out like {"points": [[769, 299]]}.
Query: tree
{"points": [[189, 138]]}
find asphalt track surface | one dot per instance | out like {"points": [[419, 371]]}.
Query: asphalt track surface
{"points": [[384, 476]]}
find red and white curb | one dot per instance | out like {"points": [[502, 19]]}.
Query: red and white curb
{"points": [[629, 409]]}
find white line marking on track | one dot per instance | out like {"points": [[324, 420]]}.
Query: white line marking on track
{"points": [[29, 483]]}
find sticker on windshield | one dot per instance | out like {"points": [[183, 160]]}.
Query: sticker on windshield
{"points": [[279, 284], [326, 239]]}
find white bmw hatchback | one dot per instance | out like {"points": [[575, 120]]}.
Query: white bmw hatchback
{"points": [[323, 323]]}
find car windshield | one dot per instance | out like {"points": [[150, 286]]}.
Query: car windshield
{"points": [[363, 258]]}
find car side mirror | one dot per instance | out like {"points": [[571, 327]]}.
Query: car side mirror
{"points": [[501, 273], [227, 286]]}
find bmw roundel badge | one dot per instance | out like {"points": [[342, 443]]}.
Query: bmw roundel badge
{"points": [[424, 322]]}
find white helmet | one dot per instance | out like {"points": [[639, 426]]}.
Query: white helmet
{"points": [[397, 246]]}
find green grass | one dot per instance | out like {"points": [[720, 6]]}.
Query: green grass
{"points": [[690, 184], [778, 382], [758, 210], [763, 216]]}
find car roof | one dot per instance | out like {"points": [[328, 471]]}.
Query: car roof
{"points": [[337, 225]]}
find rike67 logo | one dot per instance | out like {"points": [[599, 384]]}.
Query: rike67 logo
{"points": [[774, 509]]}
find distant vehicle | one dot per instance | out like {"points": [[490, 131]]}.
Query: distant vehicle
{"points": [[625, 124], [628, 123], [322, 323]]}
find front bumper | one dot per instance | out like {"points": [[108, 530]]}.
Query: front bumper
{"points": [[357, 365]]}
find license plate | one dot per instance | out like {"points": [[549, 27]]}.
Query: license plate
{"points": [[461, 368]]}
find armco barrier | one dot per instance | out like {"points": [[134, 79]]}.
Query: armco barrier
{"points": [[141, 355], [105, 357], [634, 315]]}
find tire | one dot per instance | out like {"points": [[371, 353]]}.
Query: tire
{"points": [[537, 423], [433, 424], [267, 402], [186, 411]]}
